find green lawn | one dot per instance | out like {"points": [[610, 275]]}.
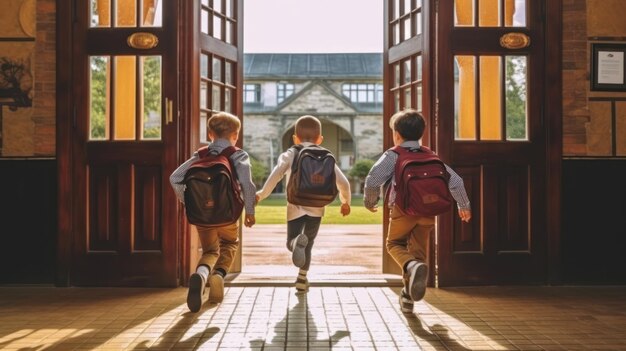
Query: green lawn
{"points": [[273, 210]]}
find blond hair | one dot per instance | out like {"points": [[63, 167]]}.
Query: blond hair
{"points": [[224, 124], [308, 128]]}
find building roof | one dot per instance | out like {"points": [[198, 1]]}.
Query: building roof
{"points": [[305, 66]]}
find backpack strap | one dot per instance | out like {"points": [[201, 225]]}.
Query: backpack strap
{"points": [[296, 150]]}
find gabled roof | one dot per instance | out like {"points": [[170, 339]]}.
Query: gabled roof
{"points": [[308, 88], [309, 66]]}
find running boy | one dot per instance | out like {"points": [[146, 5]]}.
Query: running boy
{"points": [[219, 244], [408, 237], [303, 222]]}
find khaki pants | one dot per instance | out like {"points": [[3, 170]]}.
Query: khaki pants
{"points": [[408, 237], [219, 246]]}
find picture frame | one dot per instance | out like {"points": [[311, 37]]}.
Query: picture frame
{"points": [[608, 67]]}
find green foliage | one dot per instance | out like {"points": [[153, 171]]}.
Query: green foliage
{"points": [[516, 98], [259, 172], [361, 168], [98, 97]]}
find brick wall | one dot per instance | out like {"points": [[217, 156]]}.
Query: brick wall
{"points": [[44, 102]]}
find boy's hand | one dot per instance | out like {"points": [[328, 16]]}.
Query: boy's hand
{"points": [[345, 209], [465, 215], [249, 220]]}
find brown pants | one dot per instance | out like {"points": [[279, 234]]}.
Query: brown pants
{"points": [[219, 246], [408, 237]]}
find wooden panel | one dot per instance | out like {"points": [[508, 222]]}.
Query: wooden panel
{"points": [[102, 202], [147, 233], [467, 237], [513, 193]]}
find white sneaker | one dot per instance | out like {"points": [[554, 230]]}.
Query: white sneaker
{"points": [[298, 247], [418, 278], [216, 288]]}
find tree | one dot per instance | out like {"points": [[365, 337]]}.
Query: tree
{"points": [[516, 97], [359, 171], [259, 172]]}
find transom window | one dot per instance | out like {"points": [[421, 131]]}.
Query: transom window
{"points": [[363, 92], [251, 93], [283, 91]]}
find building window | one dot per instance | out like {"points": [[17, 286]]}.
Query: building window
{"points": [[251, 93], [363, 92], [283, 91]]}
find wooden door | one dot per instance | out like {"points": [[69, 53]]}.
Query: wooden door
{"points": [[214, 67], [407, 76], [124, 140], [492, 131]]}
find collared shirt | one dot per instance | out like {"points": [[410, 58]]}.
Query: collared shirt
{"points": [[239, 159], [382, 173], [283, 168]]}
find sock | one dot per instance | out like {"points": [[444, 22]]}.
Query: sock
{"points": [[220, 271], [410, 265], [204, 271]]}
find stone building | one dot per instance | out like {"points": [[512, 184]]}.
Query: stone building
{"points": [[343, 90]]}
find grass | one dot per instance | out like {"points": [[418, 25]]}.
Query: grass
{"points": [[273, 210]]}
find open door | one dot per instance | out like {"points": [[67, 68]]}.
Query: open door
{"points": [[123, 143], [407, 78], [214, 67], [492, 131]]}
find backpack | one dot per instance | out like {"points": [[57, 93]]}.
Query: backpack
{"points": [[312, 181], [212, 192], [421, 182]]}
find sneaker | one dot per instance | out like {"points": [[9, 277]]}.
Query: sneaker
{"points": [[302, 284], [298, 246], [417, 279], [196, 290], [216, 288], [406, 304]]}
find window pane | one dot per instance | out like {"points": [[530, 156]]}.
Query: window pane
{"points": [[418, 67], [205, 2], [396, 101], [515, 13], [204, 66], [228, 106], [490, 98], [229, 8], [230, 27], [204, 26], [407, 98], [396, 9], [217, 98], [100, 13], [407, 6], [407, 72], [463, 13], [217, 28], [125, 92], [418, 3], [203, 127], [151, 97], [406, 23], [489, 13], [419, 97], [465, 98], [204, 87], [217, 69], [396, 79], [515, 90], [126, 15], [217, 5], [151, 13], [229, 73], [418, 23], [396, 33], [99, 98]]}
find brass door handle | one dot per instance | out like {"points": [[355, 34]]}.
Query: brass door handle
{"points": [[170, 111]]}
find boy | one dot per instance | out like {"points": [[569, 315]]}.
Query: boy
{"points": [[219, 244], [303, 222], [408, 236]]}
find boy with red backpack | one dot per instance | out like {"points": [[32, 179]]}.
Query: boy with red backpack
{"points": [[420, 189], [215, 184], [313, 181]]}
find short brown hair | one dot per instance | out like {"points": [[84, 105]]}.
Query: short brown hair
{"points": [[308, 128], [223, 124], [408, 123]]}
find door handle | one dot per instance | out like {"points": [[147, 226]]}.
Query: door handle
{"points": [[169, 111]]}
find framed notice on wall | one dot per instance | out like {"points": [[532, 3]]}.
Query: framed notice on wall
{"points": [[608, 67]]}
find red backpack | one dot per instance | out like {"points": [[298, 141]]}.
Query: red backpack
{"points": [[421, 182], [212, 192]]}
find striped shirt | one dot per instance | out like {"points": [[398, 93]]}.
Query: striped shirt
{"points": [[239, 159], [381, 175]]}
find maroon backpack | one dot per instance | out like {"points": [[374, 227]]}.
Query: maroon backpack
{"points": [[421, 182], [212, 192], [312, 181]]}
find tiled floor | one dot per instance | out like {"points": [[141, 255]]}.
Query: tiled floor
{"points": [[342, 318]]}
